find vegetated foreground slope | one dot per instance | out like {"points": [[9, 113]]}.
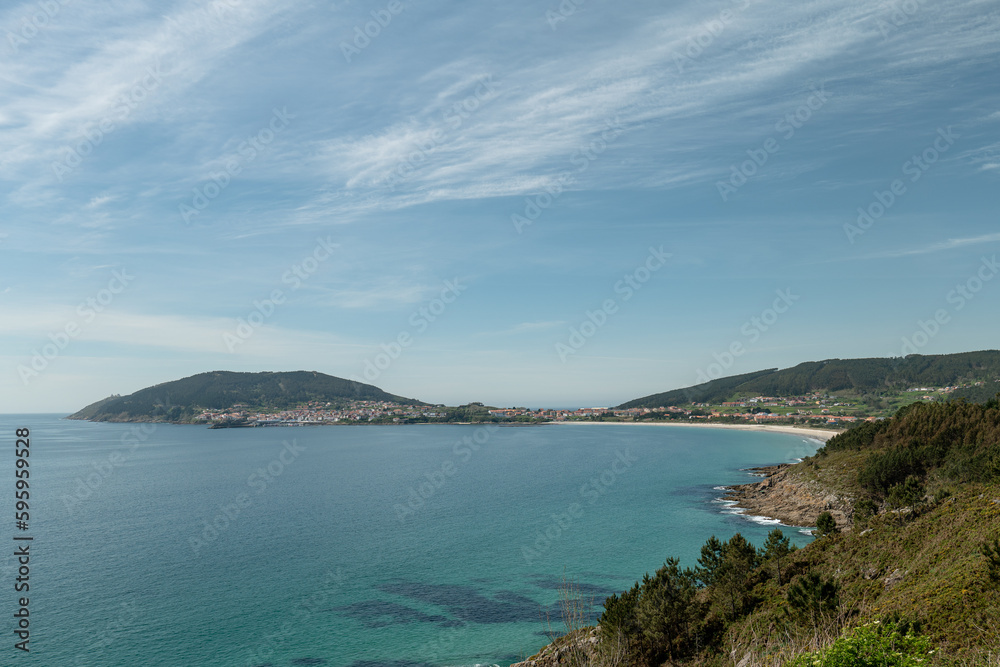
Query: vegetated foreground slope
{"points": [[181, 399], [918, 571], [859, 376]]}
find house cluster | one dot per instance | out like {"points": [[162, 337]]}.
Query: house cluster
{"points": [[579, 413], [777, 401], [544, 413], [318, 412], [764, 417]]}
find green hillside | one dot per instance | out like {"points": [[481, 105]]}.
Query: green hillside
{"points": [[181, 400], [913, 580], [848, 376]]}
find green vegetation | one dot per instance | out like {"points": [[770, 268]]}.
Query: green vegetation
{"points": [[981, 394], [181, 400], [880, 383], [924, 445], [872, 645], [915, 580], [825, 525], [814, 601]]}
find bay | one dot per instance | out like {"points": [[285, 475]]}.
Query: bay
{"points": [[352, 546]]}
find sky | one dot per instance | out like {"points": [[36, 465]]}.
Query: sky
{"points": [[558, 204]]}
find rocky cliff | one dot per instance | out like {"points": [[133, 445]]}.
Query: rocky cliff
{"points": [[788, 497]]}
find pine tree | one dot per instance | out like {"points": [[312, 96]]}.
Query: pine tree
{"points": [[710, 560], [775, 548], [731, 584]]}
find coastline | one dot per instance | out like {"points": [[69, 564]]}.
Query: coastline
{"points": [[816, 433], [778, 498], [775, 500]]}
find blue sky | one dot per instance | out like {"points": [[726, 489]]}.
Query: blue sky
{"points": [[539, 203]]}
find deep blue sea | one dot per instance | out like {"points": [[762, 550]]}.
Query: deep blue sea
{"points": [[348, 546]]}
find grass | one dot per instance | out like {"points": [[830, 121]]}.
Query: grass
{"points": [[937, 579]]}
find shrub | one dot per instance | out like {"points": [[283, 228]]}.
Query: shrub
{"points": [[825, 524], [872, 645], [813, 600], [907, 494], [941, 494], [992, 554], [864, 509]]}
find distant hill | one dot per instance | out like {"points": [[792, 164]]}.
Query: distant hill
{"points": [[858, 376], [180, 400]]}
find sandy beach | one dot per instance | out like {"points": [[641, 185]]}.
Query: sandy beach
{"points": [[817, 433]]}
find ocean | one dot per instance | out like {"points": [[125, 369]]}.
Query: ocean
{"points": [[349, 546]]}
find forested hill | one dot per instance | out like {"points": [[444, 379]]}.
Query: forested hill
{"points": [[857, 376], [181, 399]]}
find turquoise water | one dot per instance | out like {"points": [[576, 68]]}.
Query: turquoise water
{"points": [[350, 546]]}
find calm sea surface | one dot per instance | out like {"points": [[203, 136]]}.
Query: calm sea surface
{"points": [[349, 546]]}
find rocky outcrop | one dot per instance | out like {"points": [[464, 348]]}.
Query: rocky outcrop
{"points": [[576, 648], [790, 500]]}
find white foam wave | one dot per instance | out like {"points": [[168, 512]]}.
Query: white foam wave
{"points": [[763, 520]]}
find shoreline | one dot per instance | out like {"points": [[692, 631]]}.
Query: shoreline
{"points": [[816, 433], [774, 500]]}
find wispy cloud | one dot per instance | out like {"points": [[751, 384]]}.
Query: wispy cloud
{"points": [[375, 294], [941, 246], [525, 327]]}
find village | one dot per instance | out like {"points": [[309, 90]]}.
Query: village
{"points": [[815, 409]]}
